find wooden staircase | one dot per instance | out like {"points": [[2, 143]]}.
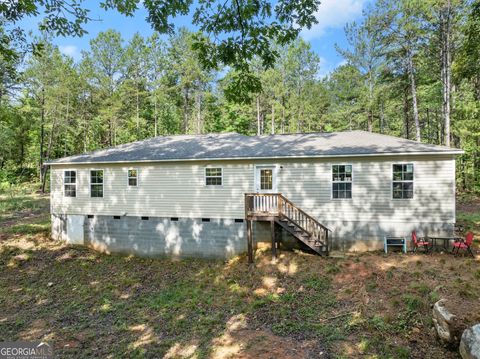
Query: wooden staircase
{"points": [[277, 209]]}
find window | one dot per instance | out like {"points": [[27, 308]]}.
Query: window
{"points": [[70, 183], [266, 179], [96, 183], [213, 176], [132, 177], [342, 181], [402, 185]]}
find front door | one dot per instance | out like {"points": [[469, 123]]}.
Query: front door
{"points": [[265, 179]]}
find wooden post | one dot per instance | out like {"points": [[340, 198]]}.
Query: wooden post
{"points": [[272, 234], [326, 241], [249, 241]]}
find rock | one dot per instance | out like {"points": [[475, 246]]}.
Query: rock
{"points": [[470, 343], [49, 284], [446, 324]]}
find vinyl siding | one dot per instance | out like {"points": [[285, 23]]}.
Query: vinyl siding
{"points": [[176, 189]]}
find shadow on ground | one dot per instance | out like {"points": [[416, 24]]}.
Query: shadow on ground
{"points": [[92, 304]]}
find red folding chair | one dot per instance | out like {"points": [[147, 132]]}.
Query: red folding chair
{"points": [[420, 243], [464, 244]]}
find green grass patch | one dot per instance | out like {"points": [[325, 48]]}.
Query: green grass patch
{"points": [[471, 219]]}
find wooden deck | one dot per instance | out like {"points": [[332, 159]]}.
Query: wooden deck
{"points": [[278, 210]]}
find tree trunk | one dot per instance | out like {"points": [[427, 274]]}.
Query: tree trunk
{"points": [[155, 114], [49, 150], [85, 129], [138, 113], [273, 119], [406, 114], [429, 127], [370, 121], [259, 119], [67, 123], [42, 135], [445, 28], [382, 118], [199, 113], [413, 89], [185, 110], [44, 181], [370, 102]]}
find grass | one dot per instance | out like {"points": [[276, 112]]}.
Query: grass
{"points": [[22, 201], [91, 304], [473, 219]]}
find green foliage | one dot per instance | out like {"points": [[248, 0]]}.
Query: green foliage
{"points": [[412, 302], [122, 91], [237, 31]]}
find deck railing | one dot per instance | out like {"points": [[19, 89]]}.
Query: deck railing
{"points": [[258, 205]]}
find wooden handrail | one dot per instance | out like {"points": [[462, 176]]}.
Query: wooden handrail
{"points": [[279, 208], [277, 205], [303, 212]]}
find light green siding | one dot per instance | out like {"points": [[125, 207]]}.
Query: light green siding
{"points": [[176, 189]]}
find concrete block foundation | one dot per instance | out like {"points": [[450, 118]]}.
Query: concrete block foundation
{"points": [[214, 238]]}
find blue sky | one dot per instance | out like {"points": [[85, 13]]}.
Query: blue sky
{"points": [[332, 16]]}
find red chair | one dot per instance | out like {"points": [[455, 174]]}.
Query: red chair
{"points": [[420, 243], [464, 244]]}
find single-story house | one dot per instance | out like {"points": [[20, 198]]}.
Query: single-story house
{"points": [[195, 195]]}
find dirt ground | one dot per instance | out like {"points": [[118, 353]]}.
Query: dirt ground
{"points": [[89, 304]]}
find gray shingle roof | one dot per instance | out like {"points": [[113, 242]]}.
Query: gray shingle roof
{"points": [[236, 146]]}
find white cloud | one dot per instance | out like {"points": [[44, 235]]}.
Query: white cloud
{"points": [[325, 67], [69, 50], [333, 14]]}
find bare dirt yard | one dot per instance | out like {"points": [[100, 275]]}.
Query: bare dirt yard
{"points": [[89, 304]]}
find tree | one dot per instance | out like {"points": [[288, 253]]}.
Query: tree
{"points": [[303, 65], [444, 19], [403, 34], [366, 52], [50, 81], [136, 60], [190, 79], [105, 62], [236, 31]]}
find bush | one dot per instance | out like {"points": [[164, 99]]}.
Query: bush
{"points": [[10, 176]]}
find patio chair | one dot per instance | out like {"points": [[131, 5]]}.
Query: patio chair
{"points": [[464, 244], [420, 243]]}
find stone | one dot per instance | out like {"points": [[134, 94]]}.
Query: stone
{"points": [[446, 324], [470, 343]]}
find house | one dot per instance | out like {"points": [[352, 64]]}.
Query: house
{"points": [[201, 195]]}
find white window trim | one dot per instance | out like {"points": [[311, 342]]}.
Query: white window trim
{"points": [[90, 182], [274, 179], [205, 177], [128, 177], [76, 182], [332, 181], [391, 180]]}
